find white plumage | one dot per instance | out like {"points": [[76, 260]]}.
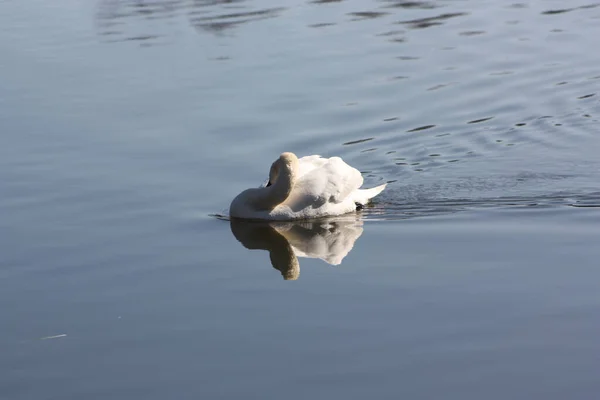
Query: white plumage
{"points": [[309, 187]]}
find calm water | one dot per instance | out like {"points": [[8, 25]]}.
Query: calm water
{"points": [[125, 125]]}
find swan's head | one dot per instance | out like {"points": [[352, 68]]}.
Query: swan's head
{"points": [[285, 165], [282, 178]]}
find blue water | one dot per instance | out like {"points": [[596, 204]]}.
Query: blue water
{"points": [[127, 125]]}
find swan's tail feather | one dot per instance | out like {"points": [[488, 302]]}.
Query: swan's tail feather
{"points": [[362, 196]]}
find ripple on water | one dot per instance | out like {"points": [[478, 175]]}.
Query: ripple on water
{"points": [[418, 202], [460, 105], [427, 22], [423, 5], [119, 19], [454, 97]]}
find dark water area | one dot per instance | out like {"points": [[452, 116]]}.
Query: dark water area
{"points": [[127, 125]]}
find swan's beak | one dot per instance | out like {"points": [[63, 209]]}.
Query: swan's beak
{"points": [[268, 183]]}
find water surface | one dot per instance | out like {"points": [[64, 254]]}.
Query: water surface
{"points": [[126, 124]]}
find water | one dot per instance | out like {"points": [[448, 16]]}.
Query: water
{"points": [[126, 125]]}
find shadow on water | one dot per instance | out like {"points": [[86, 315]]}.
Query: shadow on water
{"points": [[327, 239]]}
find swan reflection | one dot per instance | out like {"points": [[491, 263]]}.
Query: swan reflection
{"points": [[330, 240]]}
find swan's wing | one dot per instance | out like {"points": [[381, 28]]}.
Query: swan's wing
{"points": [[342, 179], [331, 181], [309, 163]]}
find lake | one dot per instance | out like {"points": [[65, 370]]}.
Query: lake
{"points": [[128, 126]]}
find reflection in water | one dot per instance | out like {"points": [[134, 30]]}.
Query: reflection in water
{"points": [[366, 15], [431, 21], [116, 18], [330, 240], [135, 20], [220, 22], [492, 125], [566, 10], [423, 5]]}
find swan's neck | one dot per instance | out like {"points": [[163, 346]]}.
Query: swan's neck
{"points": [[271, 196], [282, 177]]}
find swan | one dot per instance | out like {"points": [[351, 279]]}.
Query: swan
{"points": [[304, 188]]}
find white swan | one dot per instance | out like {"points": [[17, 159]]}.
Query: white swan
{"points": [[309, 187]]}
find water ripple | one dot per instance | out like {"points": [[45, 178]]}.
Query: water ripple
{"points": [[427, 22], [423, 207], [482, 90]]}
